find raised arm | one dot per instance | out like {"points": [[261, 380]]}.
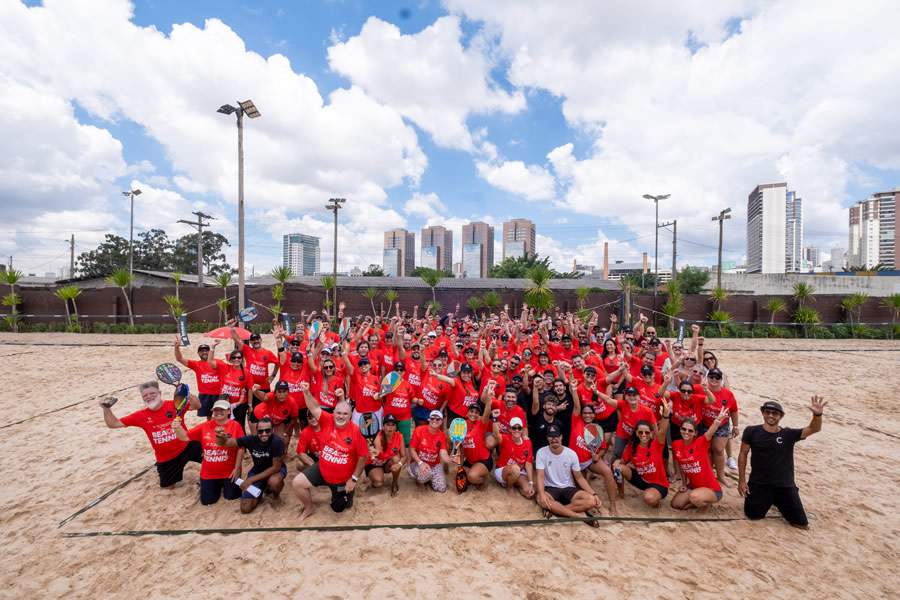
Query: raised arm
{"points": [[662, 428], [109, 418], [816, 407], [211, 357], [311, 405], [178, 356], [720, 418]]}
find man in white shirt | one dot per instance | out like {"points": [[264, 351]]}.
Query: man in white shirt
{"points": [[561, 488]]}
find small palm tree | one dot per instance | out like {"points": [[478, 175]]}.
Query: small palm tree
{"points": [[892, 303], [177, 277], [721, 318], [806, 316], [474, 303], [371, 293], [67, 293], [328, 283], [853, 304], [581, 295], [174, 304], [491, 300], [674, 304], [431, 277], [12, 299], [719, 296], [281, 275], [223, 280], [121, 278], [391, 297], [803, 292], [775, 306], [539, 295]]}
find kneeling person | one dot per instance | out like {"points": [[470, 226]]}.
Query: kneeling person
{"points": [[561, 488], [268, 471]]}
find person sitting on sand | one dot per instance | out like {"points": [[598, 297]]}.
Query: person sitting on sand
{"points": [[642, 463], [428, 453], [561, 488], [268, 471], [700, 488], [514, 469], [309, 443], [220, 466], [388, 455], [341, 460], [591, 462], [772, 464], [172, 454]]}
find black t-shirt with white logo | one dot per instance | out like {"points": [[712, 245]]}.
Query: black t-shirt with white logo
{"points": [[771, 455], [262, 454]]}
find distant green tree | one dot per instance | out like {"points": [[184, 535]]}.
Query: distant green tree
{"points": [[373, 271], [417, 272], [692, 280], [518, 268]]}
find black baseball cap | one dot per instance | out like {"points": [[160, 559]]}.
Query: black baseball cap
{"points": [[363, 361], [255, 336], [716, 374], [654, 341], [296, 357], [389, 419], [202, 347], [399, 366], [646, 370], [553, 431], [465, 367], [631, 390], [282, 385], [295, 341], [590, 369], [236, 354], [771, 405]]}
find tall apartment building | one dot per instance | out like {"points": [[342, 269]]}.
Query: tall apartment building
{"points": [[478, 249], [774, 230], [301, 253], [519, 237], [437, 248], [812, 256], [403, 262], [873, 231], [793, 234]]}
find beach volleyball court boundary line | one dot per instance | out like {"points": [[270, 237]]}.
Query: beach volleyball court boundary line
{"points": [[50, 412], [103, 497], [344, 528]]}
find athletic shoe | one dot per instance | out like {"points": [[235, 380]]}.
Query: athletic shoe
{"points": [[731, 463], [617, 475]]}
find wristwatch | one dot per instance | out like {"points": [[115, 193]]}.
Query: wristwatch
{"points": [[354, 478]]}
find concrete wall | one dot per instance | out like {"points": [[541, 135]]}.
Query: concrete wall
{"points": [[783, 284]]}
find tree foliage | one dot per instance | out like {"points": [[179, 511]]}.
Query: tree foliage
{"points": [[417, 272], [692, 280], [373, 271], [518, 268]]}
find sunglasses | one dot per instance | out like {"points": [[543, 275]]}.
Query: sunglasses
{"points": [[643, 433], [435, 419], [686, 391], [260, 431], [687, 429], [516, 428], [715, 377], [770, 412], [328, 367]]}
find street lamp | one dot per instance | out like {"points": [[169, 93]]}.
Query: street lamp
{"points": [[656, 200], [246, 107], [334, 205], [131, 194], [723, 215]]}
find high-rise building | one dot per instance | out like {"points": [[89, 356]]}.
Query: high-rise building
{"points": [[440, 240], [873, 231], [482, 234], [774, 230], [472, 260], [813, 257], [793, 233], [519, 236], [301, 253], [405, 242]]}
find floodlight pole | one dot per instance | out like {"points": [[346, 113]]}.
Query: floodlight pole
{"points": [[131, 194], [723, 215], [334, 205], [656, 200]]}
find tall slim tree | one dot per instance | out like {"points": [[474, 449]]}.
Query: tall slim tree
{"points": [[12, 299], [121, 278], [66, 294]]}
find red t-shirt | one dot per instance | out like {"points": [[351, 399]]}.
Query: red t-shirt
{"points": [[513, 453], [507, 414], [157, 424], [724, 399], [433, 390], [500, 380], [576, 439], [473, 446], [413, 373], [628, 418], [324, 391], [686, 408], [363, 389], [462, 395], [278, 412], [428, 444], [647, 395], [234, 381], [648, 462], [694, 462], [208, 381], [341, 449], [258, 362], [394, 447], [294, 377], [218, 461], [399, 402], [310, 440]]}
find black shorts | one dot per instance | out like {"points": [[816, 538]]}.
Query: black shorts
{"points": [[211, 489], [488, 463], [254, 402], [262, 484], [610, 423], [341, 499], [675, 431], [638, 482], [172, 471], [786, 499], [239, 414], [562, 495], [206, 402]]}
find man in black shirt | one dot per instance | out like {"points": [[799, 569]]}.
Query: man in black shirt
{"points": [[772, 464], [268, 471], [543, 416]]}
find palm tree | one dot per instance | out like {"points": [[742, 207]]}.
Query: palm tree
{"points": [[775, 306], [121, 278], [12, 299], [474, 303], [803, 292], [177, 277], [581, 295], [431, 277], [491, 300], [719, 296], [281, 275], [806, 316], [328, 283], [175, 307], [892, 303], [539, 295], [371, 293], [854, 302], [391, 297], [223, 280], [66, 293]]}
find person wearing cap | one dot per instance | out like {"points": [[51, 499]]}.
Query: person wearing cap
{"points": [[342, 457], [428, 453], [172, 453], [209, 384], [279, 408], [462, 393], [514, 470], [257, 360], [718, 397], [642, 463], [365, 390], [591, 461], [220, 465], [648, 389], [387, 456], [432, 393], [476, 447], [543, 414], [236, 381], [267, 450], [398, 404], [631, 412], [561, 488], [771, 450]]}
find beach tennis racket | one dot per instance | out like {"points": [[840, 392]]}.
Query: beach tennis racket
{"points": [[390, 382], [183, 330], [171, 374], [314, 329], [593, 437], [344, 329], [458, 430], [248, 314], [680, 330], [369, 426], [286, 321]]}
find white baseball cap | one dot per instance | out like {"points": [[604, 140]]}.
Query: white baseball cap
{"points": [[516, 421], [223, 404], [436, 413]]}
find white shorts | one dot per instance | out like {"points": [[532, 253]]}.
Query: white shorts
{"points": [[498, 475], [584, 466]]}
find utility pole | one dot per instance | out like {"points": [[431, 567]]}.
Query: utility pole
{"points": [[723, 215], [199, 224], [131, 194], [656, 200], [72, 257], [334, 205], [674, 225]]}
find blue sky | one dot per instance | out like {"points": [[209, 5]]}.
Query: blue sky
{"points": [[442, 112]]}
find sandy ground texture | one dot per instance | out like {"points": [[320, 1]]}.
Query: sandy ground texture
{"points": [[56, 462]]}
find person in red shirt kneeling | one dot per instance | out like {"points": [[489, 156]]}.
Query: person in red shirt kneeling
{"points": [[388, 455], [514, 469], [700, 488], [428, 453], [642, 462]]}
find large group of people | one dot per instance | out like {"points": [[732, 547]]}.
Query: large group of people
{"points": [[556, 408]]}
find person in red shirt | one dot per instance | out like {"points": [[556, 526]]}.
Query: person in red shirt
{"points": [[155, 419], [221, 465], [506, 411], [631, 411], [432, 394], [685, 406], [463, 393], [428, 453], [476, 446], [341, 460], [257, 360], [236, 381], [718, 397], [642, 462], [388, 456], [209, 385], [648, 389], [700, 488], [514, 469], [365, 390], [309, 443], [398, 403], [583, 416], [279, 408]]}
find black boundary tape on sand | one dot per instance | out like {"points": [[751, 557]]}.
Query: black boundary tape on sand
{"points": [[154, 344], [50, 412], [103, 496], [344, 528]]}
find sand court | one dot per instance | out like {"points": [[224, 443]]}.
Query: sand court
{"points": [[62, 456]]}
